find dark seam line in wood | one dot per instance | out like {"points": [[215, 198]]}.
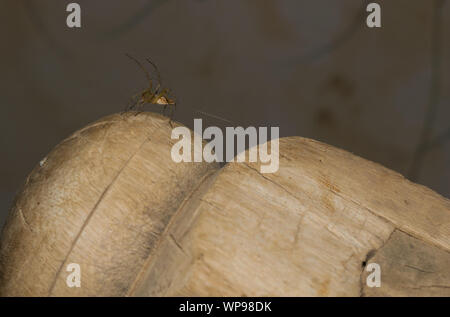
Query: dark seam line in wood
{"points": [[90, 216]]}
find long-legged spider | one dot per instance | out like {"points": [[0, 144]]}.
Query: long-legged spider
{"points": [[153, 95]]}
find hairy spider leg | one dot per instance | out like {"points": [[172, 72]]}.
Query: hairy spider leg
{"points": [[158, 74], [133, 103]]}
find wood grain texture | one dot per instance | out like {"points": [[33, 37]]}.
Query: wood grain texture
{"points": [[101, 199], [303, 231], [410, 267], [111, 199]]}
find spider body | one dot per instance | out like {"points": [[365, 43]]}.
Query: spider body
{"points": [[153, 95]]}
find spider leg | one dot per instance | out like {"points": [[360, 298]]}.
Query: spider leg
{"points": [[150, 84], [139, 105], [172, 110], [140, 66], [158, 74], [134, 101]]}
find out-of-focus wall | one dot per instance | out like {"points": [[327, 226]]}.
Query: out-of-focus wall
{"points": [[313, 68]]}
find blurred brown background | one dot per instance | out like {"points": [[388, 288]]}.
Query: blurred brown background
{"points": [[313, 68]]}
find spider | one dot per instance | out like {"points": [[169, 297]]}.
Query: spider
{"points": [[156, 96]]}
